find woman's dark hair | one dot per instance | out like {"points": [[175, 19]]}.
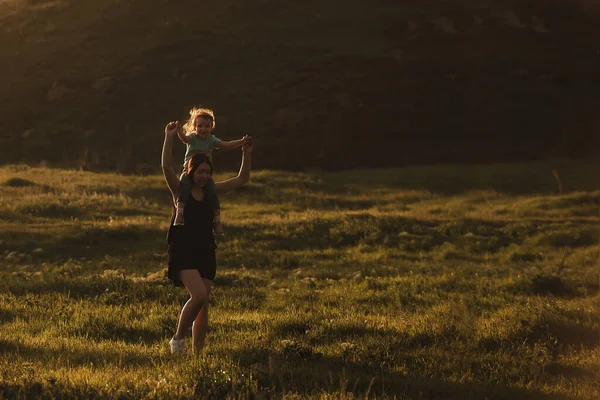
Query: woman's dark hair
{"points": [[195, 162]]}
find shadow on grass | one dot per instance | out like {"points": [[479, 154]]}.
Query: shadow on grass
{"points": [[548, 332], [109, 330], [552, 286], [474, 234], [85, 213], [48, 390], [307, 372], [6, 316], [450, 179], [367, 336], [7, 347], [558, 369], [571, 335], [453, 179], [324, 233], [111, 291], [290, 328], [72, 357], [92, 243]]}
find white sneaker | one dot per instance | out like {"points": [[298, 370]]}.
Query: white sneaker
{"points": [[177, 346]]}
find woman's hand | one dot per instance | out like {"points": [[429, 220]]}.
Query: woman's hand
{"points": [[172, 128], [247, 147]]}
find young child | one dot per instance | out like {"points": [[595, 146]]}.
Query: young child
{"points": [[198, 138]]}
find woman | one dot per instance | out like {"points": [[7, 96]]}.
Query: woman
{"points": [[192, 261]]}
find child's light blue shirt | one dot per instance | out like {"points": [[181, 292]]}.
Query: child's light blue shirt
{"points": [[199, 145]]}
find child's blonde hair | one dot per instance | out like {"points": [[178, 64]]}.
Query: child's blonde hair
{"points": [[195, 112]]}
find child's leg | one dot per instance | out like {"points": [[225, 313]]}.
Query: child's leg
{"points": [[211, 196], [185, 187]]}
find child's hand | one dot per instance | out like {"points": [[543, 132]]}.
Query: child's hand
{"points": [[247, 143], [172, 128]]}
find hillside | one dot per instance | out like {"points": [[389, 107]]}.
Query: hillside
{"points": [[92, 83]]}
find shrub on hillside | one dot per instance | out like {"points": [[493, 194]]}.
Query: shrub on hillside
{"points": [[17, 182]]}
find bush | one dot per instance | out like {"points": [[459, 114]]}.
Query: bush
{"points": [[17, 182], [550, 284]]}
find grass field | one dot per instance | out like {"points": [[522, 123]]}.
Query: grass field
{"points": [[426, 282]]}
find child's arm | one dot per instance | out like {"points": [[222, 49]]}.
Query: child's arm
{"points": [[232, 144]]}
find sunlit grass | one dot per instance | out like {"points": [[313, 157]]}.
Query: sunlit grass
{"points": [[330, 285]]}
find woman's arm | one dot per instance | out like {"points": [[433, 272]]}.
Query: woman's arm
{"points": [[167, 158], [243, 176]]}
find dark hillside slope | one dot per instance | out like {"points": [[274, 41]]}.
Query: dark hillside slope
{"points": [[318, 83]]}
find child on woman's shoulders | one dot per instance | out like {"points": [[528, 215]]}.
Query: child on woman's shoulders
{"points": [[198, 138]]}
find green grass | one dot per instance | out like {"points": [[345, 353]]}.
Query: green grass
{"points": [[425, 282]]}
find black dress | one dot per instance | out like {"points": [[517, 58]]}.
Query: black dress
{"points": [[192, 246]]}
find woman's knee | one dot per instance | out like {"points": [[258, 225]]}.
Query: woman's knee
{"points": [[199, 297]]}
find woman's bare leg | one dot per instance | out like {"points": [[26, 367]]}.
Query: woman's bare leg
{"points": [[199, 297], [200, 327]]}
